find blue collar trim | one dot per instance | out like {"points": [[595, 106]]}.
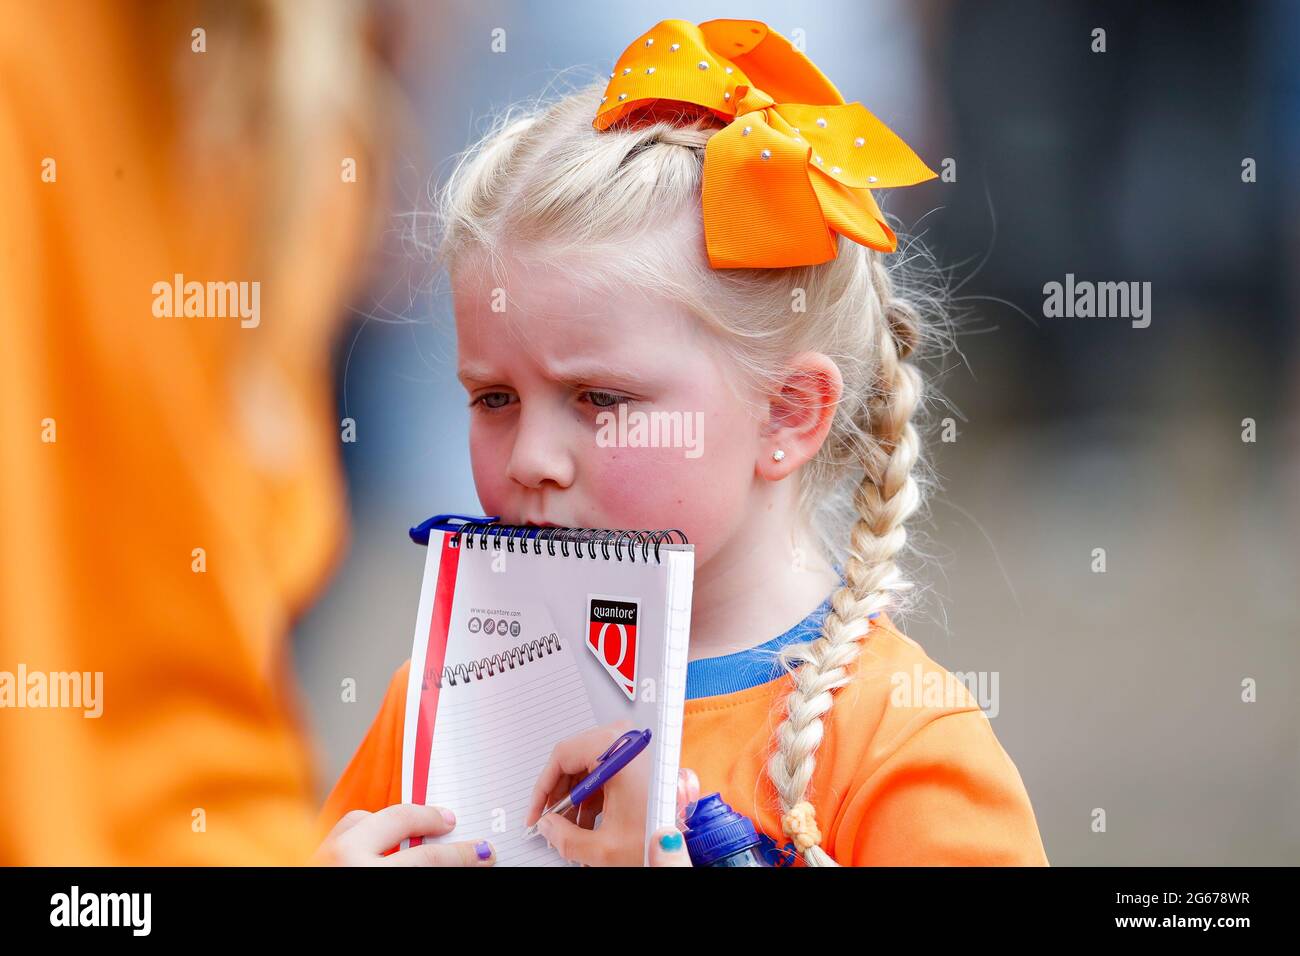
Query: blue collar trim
{"points": [[710, 676]]}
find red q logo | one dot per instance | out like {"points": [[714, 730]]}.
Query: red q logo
{"points": [[611, 637]]}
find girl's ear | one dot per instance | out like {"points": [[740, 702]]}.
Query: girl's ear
{"points": [[800, 412]]}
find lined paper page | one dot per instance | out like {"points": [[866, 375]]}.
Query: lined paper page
{"points": [[491, 739]]}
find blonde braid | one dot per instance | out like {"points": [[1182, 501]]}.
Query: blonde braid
{"points": [[885, 498]]}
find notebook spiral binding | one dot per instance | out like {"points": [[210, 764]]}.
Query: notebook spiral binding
{"points": [[494, 664], [514, 537], [493, 535]]}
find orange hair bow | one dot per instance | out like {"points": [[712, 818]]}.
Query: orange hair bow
{"points": [[795, 166]]}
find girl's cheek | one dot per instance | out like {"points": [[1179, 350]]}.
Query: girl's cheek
{"points": [[659, 488], [485, 463]]}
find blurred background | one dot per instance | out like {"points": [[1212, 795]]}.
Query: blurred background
{"points": [[1119, 690]]}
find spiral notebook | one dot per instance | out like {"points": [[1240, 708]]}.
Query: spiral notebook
{"points": [[528, 636]]}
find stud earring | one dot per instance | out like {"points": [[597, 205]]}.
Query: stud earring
{"points": [[778, 455]]}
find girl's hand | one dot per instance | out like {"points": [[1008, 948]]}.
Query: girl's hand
{"points": [[362, 838], [668, 848], [620, 840]]}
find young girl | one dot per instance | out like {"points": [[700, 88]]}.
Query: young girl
{"points": [[697, 235]]}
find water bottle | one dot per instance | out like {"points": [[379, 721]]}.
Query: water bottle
{"points": [[717, 835]]}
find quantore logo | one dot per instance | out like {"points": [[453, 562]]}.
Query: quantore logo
{"points": [[612, 637]]}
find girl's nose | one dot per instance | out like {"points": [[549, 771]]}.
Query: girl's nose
{"points": [[540, 454]]}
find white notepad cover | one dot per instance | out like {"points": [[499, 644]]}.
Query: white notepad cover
{"points": [[515, 651]]}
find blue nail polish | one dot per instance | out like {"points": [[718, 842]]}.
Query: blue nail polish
{"points": [[483, 849], [672, 842]]}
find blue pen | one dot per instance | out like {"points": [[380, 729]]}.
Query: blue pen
{"points": [[618, 756]]}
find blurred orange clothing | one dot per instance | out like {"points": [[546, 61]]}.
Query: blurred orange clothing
{"points": [[898, 781], [130, 440]]}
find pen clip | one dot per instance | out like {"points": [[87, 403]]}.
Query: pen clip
{"points": [[623, 741]]}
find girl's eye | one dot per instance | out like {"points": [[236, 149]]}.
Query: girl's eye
{"points": [[493, 400], [605, 399]]}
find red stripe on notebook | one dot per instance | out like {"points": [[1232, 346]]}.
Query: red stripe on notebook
{"points": [[434, 658]]}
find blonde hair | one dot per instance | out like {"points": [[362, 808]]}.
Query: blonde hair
{"points": [[544, 174]]}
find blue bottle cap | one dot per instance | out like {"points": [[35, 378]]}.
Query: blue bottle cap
{"points": [[715, 831]]}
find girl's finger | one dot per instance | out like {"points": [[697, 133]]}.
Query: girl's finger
{"points": [[688, 791], [561, 789], [468, 853], [573, 842], [566, 759], [381, 831], [668, 848], [346, 823]]}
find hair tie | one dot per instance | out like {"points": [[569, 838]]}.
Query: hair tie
{"points": [[800, 824], [796, 164]]}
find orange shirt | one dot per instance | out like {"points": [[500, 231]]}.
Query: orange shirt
{"points": [[901, 779], [129, 439]]}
